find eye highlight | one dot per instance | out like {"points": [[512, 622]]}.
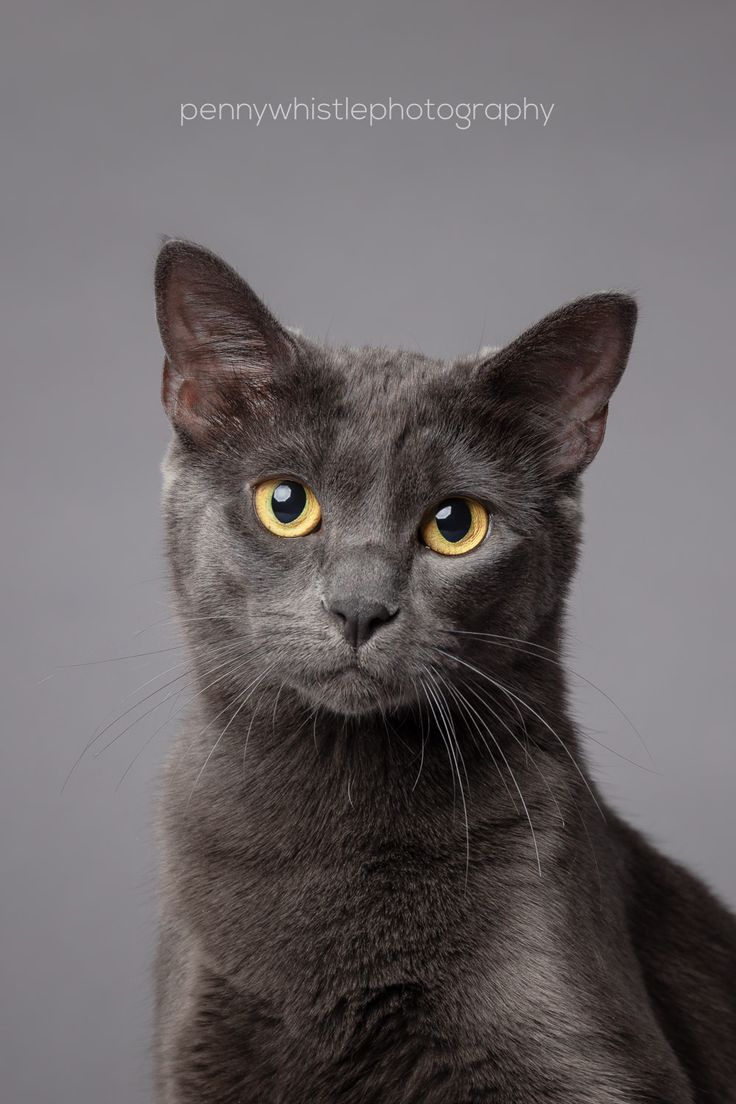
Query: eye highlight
{"points": [[286, 507], [456, 526]]}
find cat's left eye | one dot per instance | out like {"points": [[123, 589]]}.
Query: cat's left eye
{"points": [[456, 526], [286, 507]]}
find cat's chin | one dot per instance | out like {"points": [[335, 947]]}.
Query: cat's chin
{"points": [[351, 692]]}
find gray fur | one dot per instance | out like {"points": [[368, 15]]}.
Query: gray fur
{"points": [[384, 878]]}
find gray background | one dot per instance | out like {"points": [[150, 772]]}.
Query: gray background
{"points": [[419, 234]]}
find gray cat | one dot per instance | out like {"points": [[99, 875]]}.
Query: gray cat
{"points": [[387, 877]]}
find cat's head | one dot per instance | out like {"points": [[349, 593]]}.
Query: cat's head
{"points": [[341, 517]]}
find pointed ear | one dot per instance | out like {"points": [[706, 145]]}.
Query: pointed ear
{"points": [[564, 370], [222, 344]]}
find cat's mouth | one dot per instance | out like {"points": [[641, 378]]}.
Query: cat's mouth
{"points": [[349, 689]]}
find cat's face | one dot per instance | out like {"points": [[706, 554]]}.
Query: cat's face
{"points": [[344, 516]]}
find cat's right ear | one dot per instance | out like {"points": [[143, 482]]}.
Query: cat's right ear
{"points": [[223, 346]]}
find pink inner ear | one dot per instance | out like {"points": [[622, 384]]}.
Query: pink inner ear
{"points": [[187, 401], [589, 383], [594, 389], [178, 395], [581, 441], [585, 405]]}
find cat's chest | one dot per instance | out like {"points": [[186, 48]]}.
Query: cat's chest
{"points": [[333, 926]]}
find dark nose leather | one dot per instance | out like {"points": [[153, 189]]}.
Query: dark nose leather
{"points": [[359, 620]]}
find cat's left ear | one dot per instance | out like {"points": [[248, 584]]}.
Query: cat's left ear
{"points": [[564, 370], [223, 346]]}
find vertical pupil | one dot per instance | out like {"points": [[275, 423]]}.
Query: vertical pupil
{"points": [[288, 501], [454, 519]]}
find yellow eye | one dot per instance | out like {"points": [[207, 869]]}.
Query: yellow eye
{"points": [[458, 525], [287, 508]]}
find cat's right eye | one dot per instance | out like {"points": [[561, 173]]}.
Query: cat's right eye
{"points": [[286, 507]]}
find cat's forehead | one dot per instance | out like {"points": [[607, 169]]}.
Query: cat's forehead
{"points": [[382, 401], [384, 379]]}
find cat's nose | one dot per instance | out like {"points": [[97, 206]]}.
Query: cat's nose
{"points": [[359, 619]]}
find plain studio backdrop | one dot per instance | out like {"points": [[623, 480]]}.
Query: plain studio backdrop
{"points": [[407, 233]]}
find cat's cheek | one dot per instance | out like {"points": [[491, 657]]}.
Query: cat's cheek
{"points": [[490, 589]]}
